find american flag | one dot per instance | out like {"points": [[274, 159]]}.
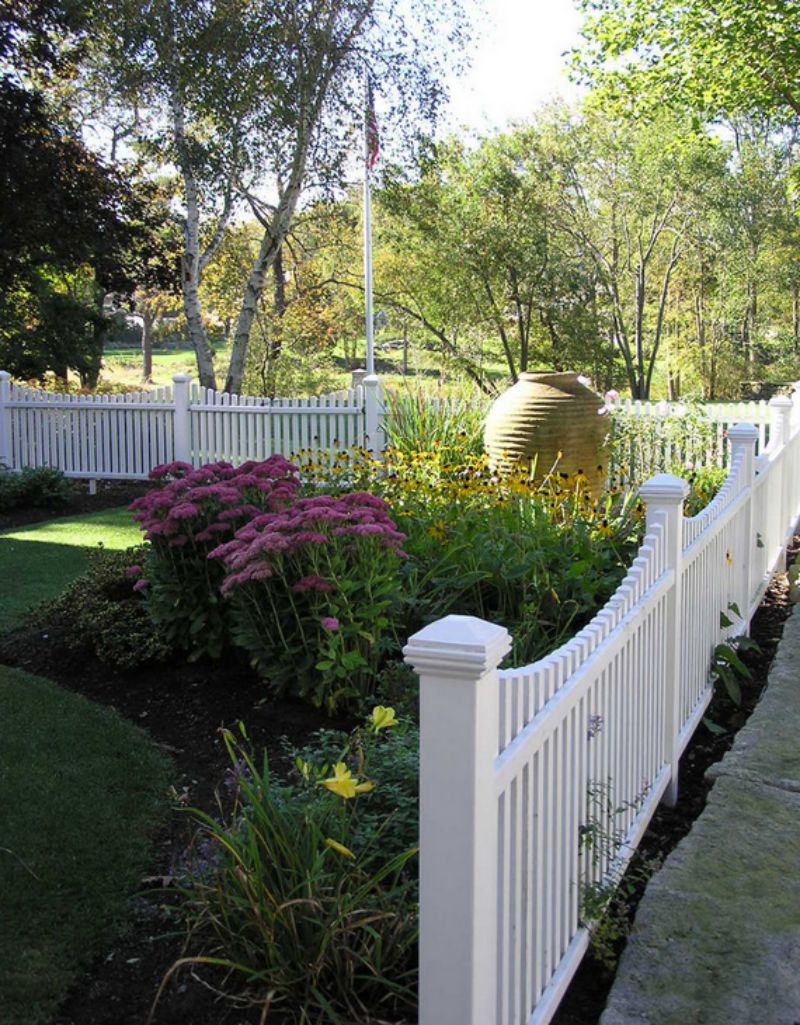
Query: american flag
{"points": [[371, 129]]}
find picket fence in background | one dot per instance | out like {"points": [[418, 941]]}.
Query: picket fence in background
{"points": [[124, 436], [663, 438], [536, 784]]}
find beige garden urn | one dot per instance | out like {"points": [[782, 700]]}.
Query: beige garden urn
{"points": [[548, 421]]}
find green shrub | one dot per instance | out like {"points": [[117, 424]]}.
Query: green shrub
{"points": [[39, 487], [101, 611], [642, 446], [391, 810], [704, 483], [292, 894]]}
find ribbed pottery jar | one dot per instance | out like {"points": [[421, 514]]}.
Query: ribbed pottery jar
{"points": [[543, 415]]}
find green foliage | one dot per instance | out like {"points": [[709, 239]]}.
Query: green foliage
{"points": [[727, 668], [644, 445], [735, 57], [41, 487], [102, 612], [293, 893], [704, 483], [185, 516], [416, 422], [605, 904], [320, 623], [391, 810], [539, 557]]}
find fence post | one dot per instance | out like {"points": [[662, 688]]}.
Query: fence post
{"points": [[743, 438], [373, 413], [663, 496], [456, 659], [5, 420], [181, 441], [357, 377], [795, 420], [780, 411]]}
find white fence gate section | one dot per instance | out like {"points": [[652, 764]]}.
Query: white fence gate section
{"points": [[536, 784], [125, 436]]}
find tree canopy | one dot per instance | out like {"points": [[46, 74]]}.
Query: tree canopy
{"points": [[723, 58]]}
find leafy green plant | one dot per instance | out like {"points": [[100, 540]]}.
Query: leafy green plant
{"points": [[727, 668], [605, 903], [102, 611], [704, 483], [415, 422], [644, 445], [40, 487], [289, 893]]}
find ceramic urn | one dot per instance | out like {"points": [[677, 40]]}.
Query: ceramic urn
{"points": [[549, 421]]}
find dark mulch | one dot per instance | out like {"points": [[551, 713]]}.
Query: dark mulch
{"points": [[182, 707]]}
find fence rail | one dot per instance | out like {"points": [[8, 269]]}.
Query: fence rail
{"points": [[125, 436], [537, 783]]}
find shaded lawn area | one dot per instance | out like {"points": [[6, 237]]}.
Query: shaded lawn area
{"points": [[79, 790], [37, 562]]}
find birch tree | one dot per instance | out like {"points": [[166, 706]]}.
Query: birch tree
{"points": [[258, 103]]}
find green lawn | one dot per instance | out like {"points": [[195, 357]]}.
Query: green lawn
{"points": [[79, 789], [37, 562]]}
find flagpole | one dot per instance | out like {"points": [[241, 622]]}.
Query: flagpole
{"points": [[368, 237]]}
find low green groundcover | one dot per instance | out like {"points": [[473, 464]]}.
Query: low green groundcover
{"points": [[79, 791]]}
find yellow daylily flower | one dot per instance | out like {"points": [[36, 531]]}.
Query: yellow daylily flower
{"points": [[339, 848], [382, 718], [342, 782], [344, 785]]}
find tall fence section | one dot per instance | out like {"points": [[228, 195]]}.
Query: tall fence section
{"points": [[537, 783], [125, 436]]}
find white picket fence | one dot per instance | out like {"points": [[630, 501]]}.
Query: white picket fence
{"points": [[125, 436], [520, 768], [663, 439]]}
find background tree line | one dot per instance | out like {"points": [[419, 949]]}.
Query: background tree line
{"points": [[649, 239]]}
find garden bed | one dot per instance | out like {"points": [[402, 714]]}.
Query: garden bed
{"points": [[183, 706]]}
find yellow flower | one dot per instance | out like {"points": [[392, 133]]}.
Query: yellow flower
{"points": [[339, 848], [382, 718], [343, 784], [437, 531]]}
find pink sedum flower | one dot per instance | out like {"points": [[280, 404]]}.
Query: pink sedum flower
{"points": [[330, 623]]}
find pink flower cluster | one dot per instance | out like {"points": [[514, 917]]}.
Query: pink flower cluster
{"points": [[205, 504], [308, 522]]}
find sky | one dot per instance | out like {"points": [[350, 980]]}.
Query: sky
{"points": [[517, 63]]}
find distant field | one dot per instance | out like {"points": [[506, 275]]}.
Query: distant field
{"points": [[123, 365]]}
